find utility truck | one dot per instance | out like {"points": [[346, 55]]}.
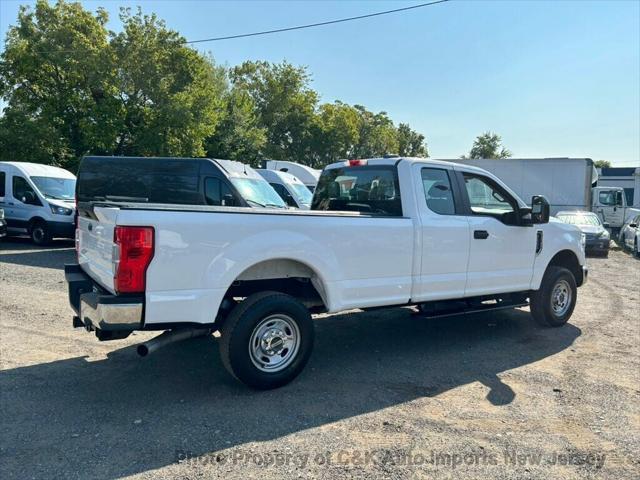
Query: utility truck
{"points": [[442, 238], [567, 183]]}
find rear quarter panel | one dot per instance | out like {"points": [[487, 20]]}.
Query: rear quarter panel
{"points": [[359, 261]]}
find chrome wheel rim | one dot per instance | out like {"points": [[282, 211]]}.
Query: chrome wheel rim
{"points": [[561, 298], [274, 343]]}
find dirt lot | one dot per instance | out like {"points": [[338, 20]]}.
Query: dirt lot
{"points": [[386, 394]]}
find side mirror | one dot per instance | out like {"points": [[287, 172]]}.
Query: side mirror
{"points": [[539, 209], [633, 225]]}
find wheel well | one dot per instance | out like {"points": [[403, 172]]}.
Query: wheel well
{"points": [[567, 259], [35, 220], [282, 275]]}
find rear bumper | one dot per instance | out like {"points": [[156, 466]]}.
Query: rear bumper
{"points": [[99, 310]]}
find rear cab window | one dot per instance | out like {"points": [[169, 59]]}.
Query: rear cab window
{"points": [[367, 189]]}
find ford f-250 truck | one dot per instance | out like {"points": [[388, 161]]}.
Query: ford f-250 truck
{"points": [[442, 237]]}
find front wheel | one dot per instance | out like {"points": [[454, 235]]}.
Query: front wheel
{"points": [[553, 304], [40, 234], [266, 340]]}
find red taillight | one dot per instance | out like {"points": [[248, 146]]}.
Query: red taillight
{"points": [[134, 251], [357, 163]]}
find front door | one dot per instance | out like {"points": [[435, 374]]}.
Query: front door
{"points": [[610, 207], [501, 253], [25, 202]]}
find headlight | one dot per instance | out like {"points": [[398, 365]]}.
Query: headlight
{"points": [[603, 234], [56, 210], [1, 214]]}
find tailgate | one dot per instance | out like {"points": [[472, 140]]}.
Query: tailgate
{"points": [[96, 245]]}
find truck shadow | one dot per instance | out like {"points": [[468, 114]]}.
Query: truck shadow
{"points": [[123, 415], [22, 251]]}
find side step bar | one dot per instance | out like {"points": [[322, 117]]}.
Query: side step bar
{"points": [[472, 305]]}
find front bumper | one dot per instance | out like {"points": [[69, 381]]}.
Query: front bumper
{"points": [[62, 229], [99, 310], [597, 244]]}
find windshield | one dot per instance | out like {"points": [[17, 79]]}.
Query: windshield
{"points": [[302, 193], [258, 192], [583, 219], [56, 188]]}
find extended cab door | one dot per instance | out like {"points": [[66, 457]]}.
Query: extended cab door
{"points": [[443, 235], [501, 253]]}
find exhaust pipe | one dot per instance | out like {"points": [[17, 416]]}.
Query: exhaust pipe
{"points": [[170, 336]]}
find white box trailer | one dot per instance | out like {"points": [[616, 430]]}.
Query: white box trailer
{"points": [[565, 182]]}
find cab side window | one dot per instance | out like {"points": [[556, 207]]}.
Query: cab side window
{"points": [[607, 198], [437, 191], [217, 193], [488, 198], [23, 192], [3, 179]]}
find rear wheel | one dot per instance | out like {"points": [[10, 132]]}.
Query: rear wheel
{"points": [[553, 304], [266, 340], [40, 234]]}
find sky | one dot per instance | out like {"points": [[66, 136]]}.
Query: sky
{"points": [[553, 78]]}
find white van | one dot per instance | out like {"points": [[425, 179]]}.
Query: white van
{"points": [[38, 200], [289, 188], [307, 175]]}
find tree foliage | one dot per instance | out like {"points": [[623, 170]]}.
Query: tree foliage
{"points": [[602, 164], [73, 88], [488, 145]]}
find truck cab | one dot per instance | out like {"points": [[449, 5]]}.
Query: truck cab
{"points": [[610, 204]]}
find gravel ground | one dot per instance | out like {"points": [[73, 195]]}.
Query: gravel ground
{"points": [[386, 394]]}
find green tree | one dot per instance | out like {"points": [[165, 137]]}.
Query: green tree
{"points": [[52, 76], [410, 142], [602, 164], [72, 88], [488, 145], [377, 134], [285, 105], [171, 97], [239, 136], [336, 133]]}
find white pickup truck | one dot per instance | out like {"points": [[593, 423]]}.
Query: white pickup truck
{"points": [[390, 232]]}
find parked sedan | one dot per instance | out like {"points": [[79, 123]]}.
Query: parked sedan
{"points": [[597, 236], [630, 235]]}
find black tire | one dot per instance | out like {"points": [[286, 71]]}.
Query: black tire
{"points": [[541, 300], [245, 320], [40, 233]]}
